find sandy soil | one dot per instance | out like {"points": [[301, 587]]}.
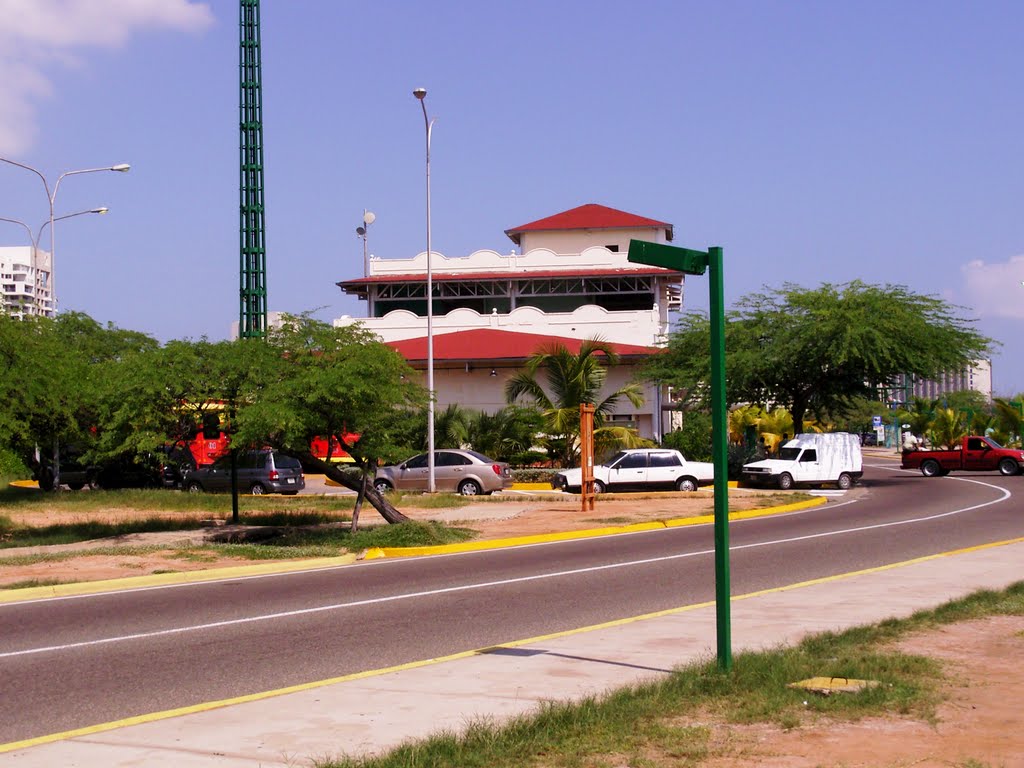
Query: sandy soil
{"points": [[978, 726]]}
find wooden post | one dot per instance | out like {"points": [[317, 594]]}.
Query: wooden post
{"points": [[587, 456]]}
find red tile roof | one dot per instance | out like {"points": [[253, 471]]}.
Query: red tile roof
{"points": [[419, 277], [589, 216], [492, 345]]}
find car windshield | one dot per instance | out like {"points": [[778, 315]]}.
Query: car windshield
{"points": [[789, 454], [992, 442], [614, 459]]}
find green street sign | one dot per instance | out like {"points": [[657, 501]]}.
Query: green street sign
{"points": [[668, 256]]}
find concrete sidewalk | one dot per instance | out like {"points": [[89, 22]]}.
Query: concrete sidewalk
{"points": [[374, 711]]}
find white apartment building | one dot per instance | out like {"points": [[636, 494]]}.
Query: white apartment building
{"points": [[569, 281], [977, 376], [25, 282]]}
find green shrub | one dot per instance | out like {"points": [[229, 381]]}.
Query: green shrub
{"points": [[533, 475], [693, 438]]}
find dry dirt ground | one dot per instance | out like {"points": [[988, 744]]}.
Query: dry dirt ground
{"points": [[979, 725]]}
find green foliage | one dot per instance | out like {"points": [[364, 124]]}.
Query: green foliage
{"points": [[816, 350], [947, 429], [573, 379], [693, 438]]}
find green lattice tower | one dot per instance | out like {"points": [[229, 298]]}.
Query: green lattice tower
{"points": [[252, 318]]}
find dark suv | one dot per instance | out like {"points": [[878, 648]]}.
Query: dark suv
{"points": [[263, 471]]}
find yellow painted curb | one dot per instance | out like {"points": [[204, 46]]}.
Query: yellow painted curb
{"points": [[24, 484], [476, 546], [164, 579]]}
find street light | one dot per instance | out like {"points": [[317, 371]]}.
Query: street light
{"points": [[421, 94], [368, 218], [35, 240], [51, 197]]}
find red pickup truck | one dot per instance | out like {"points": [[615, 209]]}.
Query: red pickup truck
{"points": [[977, 454]]}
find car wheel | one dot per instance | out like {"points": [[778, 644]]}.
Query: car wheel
{"points": [[194, 487], [46, 481], [381, 486], [1008, 467], [845, 481], [930, 468], [80, 486], [599, 487], [687, 484], [257, 489], [785, 481], [470, 488]]}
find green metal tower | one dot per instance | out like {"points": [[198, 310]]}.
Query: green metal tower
{"points": [[252, 318]]}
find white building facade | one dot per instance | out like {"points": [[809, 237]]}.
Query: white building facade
{"points": [[25, 282], [571, 281]]}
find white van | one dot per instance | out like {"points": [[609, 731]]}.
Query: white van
{"points": [[811, 459]]}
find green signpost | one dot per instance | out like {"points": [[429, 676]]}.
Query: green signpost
{"points": [[696, 263]]}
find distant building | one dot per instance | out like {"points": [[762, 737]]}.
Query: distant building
{"points": [[572, 281], [25, 282], [977, 376]]}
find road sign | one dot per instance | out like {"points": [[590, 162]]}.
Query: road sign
{"points": [[668, 256], [876, 421]]}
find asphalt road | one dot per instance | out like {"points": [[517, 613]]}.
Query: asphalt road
{"points": [[71, 662]]}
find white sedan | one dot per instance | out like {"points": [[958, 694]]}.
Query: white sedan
{"points": [[641, 469]]}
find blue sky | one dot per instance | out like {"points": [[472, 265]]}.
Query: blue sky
{"points": [[813, 141]]}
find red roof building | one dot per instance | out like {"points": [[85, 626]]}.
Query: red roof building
{"points": [[491, 312]]}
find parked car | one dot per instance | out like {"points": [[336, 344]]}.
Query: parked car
{"points": [[466, 472], [259, 472], [641, 469]]}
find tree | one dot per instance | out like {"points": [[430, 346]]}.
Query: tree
{"points": [[573, 379], [816, 350], [56, 370], [328, 382]]}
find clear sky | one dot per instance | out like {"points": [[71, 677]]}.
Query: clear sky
{"points": [[814, 141]]}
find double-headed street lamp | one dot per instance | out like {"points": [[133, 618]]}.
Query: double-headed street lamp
{"points": [[35, 239], [421, 94], [51, 196]]}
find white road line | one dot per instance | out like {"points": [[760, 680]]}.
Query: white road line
{"points": [[1004, 494]]}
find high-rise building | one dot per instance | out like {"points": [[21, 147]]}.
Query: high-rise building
{"points": [[25, 284]]}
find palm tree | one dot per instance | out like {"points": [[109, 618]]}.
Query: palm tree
{"points": [[775, 427], [506, 435], [1010, 418], [948, 428], [573, 379]]}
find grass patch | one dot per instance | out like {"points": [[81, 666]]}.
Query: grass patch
{"points": [[654, 725]]}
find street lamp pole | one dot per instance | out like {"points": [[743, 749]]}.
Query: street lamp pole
{"points": [[368, 218], [51, 197], [421, 94]]}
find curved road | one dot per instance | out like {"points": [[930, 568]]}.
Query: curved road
{"points": [[71, 662]]}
